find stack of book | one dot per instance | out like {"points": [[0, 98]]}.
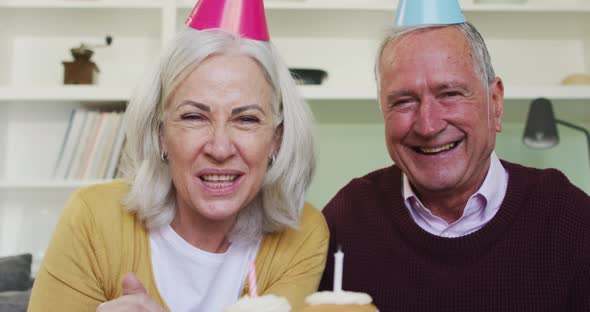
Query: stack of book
{"points": [[92, 146]]}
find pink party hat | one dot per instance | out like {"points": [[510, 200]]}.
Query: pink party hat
{"points": [[244, 18]]}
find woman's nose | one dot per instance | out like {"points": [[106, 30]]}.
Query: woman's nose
{"points": [[220, 145]]}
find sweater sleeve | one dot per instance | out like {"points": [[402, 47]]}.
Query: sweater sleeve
{"points": [[302, 258], [70, 277]]}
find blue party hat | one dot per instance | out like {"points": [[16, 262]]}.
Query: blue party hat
{"points": [[428, 12]]}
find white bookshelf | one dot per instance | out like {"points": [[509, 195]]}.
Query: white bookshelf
{"points": [[83, 4], [533, 46]]}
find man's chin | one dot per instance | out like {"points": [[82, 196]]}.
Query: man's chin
{"points": [[432, 184]]}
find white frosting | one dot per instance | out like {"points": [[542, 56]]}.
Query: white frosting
{"points": [[338, 297], [266, 303]]}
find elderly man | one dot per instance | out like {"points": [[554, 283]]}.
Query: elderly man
{"points": [[450, 227]]}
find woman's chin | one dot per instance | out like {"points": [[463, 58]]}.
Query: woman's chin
{"points": [[219, 211]]}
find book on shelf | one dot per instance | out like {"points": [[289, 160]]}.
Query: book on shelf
{"points": [[106, 151], [92, 145], [122, 164], [117, 153], [64, 143], [70, 143], [101, 145], [84, 145]]}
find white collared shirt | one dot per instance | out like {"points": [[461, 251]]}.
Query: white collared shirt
{"points": [[480, 209]]}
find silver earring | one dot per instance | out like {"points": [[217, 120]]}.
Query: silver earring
{"points": [[164, 157], [272, 159]]}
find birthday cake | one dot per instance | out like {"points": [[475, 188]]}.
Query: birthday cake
{"points": [[266, 303], [339, 301]]}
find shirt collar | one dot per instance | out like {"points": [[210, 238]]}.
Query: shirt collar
{"points": [[488, 189]]}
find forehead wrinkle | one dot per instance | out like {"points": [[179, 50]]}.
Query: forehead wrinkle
{"points": [[198, 105]]}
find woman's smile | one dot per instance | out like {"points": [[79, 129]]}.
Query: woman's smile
{"points": [[220, 184]]}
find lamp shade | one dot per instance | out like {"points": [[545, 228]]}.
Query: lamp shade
{"points": [[540, 130]]}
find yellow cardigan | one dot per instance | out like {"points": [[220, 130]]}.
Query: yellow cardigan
{"points": [[97, 241]]}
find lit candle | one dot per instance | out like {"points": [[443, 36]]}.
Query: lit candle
{"points": [[338, 257]]}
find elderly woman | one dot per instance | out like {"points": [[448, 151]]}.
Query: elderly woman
{"points": [[221, 154]]}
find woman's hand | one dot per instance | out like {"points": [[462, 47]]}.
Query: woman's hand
{"points": [[134, 298]]}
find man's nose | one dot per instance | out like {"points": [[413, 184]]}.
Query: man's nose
{"points": [[430, 119], [220, 145]]}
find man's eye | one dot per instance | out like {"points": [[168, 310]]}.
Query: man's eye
{"points": [[400, 103], [451, 94]]}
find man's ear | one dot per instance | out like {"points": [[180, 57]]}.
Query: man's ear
{"points": [[497, 101]]}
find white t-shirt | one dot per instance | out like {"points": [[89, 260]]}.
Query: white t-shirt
{"points": [[190, 279]]}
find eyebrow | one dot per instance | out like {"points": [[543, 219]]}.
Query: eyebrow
{"points": [[451, 85], [242, 109], [234, 111], [198, 105]]}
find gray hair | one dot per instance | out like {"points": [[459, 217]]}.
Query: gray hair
{"points": [[280, 201], [479, 51]]}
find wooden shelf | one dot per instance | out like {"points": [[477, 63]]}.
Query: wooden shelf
{"points": [[511, 93], [314, 93], [552, 92], [379, 5], [388, 5], [551, 7], [366, 5], [94, 4], [65, 93], [47, 184]]}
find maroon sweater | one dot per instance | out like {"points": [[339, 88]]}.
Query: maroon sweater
{"points": [[534, 255]]}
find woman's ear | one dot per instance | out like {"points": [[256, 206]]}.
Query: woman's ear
{"points": [[277, 139], [161, 141]]}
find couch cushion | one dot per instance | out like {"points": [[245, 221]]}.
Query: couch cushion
{"points": [[15, 273], [14, 301]]}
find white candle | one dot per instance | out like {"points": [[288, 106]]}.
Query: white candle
{"points": [[338, 257]]}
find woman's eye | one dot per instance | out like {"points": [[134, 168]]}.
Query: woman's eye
{"points": [[192, 117], [248, 119]]}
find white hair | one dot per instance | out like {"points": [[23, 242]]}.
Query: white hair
{"points": [[479, 51], [280, 201]]}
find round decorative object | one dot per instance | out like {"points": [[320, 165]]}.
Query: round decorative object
{"points": [[306, 76], [576, 80]]}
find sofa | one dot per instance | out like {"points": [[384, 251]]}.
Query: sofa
{"points": [[15, 282]]}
